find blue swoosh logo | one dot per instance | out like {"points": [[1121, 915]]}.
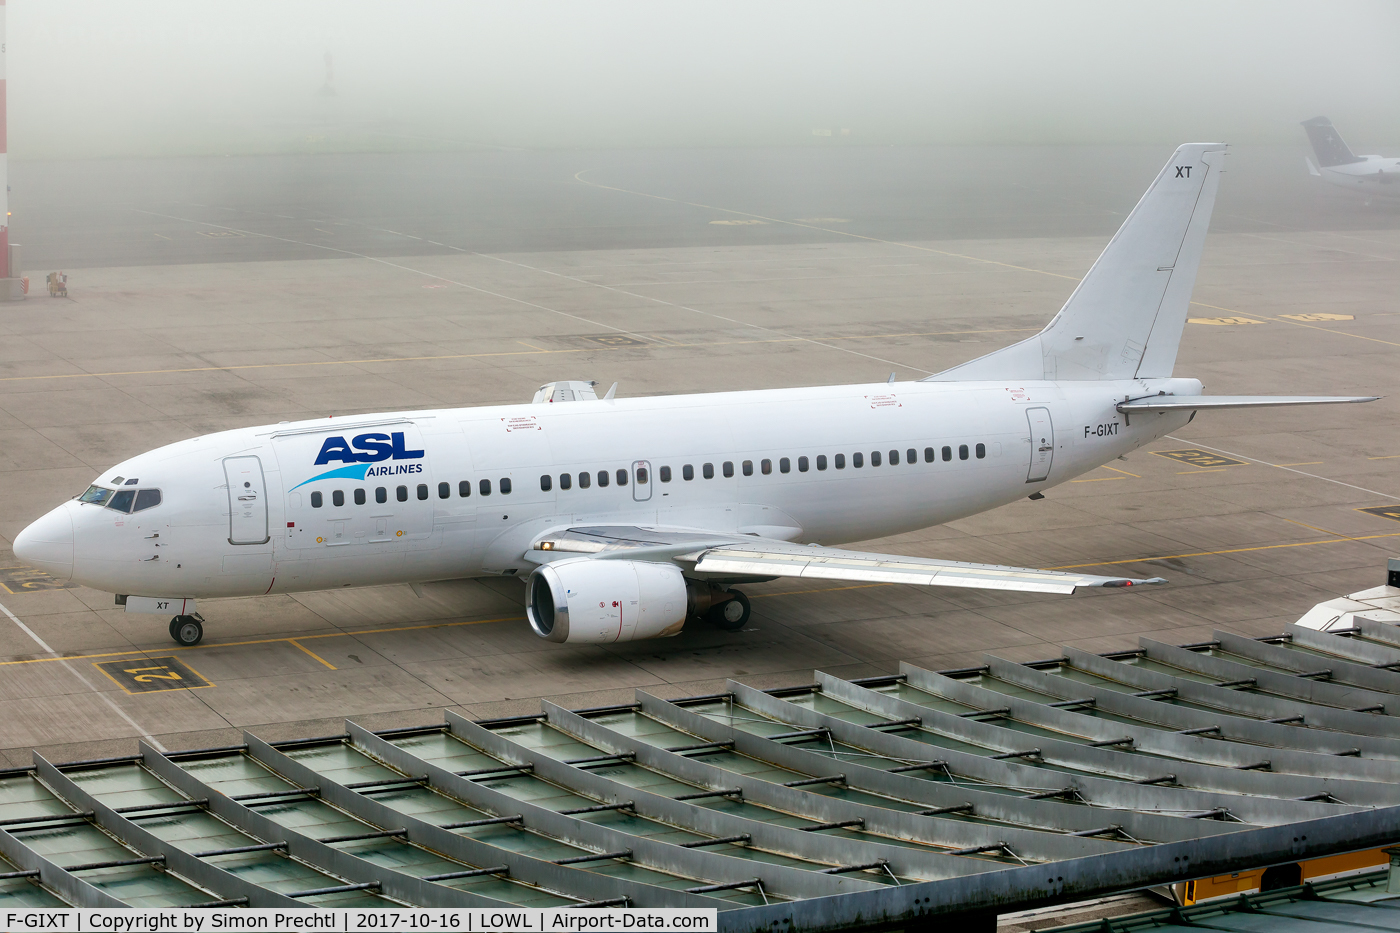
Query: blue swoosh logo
{"points": [[354, 471]]}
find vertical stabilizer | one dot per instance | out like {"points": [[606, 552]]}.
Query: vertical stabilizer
{"points": [[1328, 144], [1125, 319]]}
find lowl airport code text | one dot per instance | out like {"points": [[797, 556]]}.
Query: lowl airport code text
{"points": [[528, 920]]}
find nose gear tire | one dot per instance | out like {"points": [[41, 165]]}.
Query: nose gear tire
{"points": [[186, 630], [732, 614]]}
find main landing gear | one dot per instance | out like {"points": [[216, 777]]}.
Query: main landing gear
{"points": [[732, 614], [188, 631], [718, 605]]}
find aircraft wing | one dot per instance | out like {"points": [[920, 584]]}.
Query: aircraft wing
{"points": [[1198, 402], [732, 557]]}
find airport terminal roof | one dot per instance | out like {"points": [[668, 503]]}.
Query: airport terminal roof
{"points": [[1360, 902], [837, 804]]}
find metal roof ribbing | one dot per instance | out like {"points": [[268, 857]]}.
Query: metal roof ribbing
{"points": [[1166, 744], [1260, 705], [1165, 712], [833, 805]]}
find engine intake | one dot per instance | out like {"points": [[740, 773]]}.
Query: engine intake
{"points": [[585, 601]]}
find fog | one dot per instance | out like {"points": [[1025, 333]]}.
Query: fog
{"points": [[171, 77]]}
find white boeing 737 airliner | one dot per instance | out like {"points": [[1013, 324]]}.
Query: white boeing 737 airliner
{"points": [[630, 516]]}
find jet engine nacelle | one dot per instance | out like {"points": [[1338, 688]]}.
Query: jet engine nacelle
{"points": [[585, 601]]}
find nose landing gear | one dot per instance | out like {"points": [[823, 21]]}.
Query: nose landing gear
{"points": [[187, 631]]}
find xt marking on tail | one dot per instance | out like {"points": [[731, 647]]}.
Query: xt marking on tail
{"points": [[1183, 171]]}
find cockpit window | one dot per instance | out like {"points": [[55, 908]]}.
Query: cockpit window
{"points": [[121, 500], [150, 498], [97, 495]]}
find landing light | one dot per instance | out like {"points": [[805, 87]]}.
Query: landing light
{"points": [[546, 545]]}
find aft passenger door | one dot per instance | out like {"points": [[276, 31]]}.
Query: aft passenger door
{"points": [[247, 500], [1042, 444]]}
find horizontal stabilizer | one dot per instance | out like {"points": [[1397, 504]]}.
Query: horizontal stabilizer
{"points": [[1198, 402]]}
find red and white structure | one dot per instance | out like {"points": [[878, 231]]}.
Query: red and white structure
{"points": [[4, 162]]}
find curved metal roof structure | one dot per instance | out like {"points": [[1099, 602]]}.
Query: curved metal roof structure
{"points": [[838, 804]]}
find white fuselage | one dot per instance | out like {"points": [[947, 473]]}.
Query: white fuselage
{"points": [[212, 535], [1373, 175]]}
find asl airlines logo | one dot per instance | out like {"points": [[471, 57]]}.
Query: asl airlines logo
{"points": [[363, 451]]}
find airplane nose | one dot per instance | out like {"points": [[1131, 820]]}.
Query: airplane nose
{"points": [[48, 544]]}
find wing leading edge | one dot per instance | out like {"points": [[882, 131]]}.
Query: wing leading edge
{"points": [[1198, 402], [727, 555]]}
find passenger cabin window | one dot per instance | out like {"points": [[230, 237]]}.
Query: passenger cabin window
{"points": [[316, 500], [444, 491], [622, 477], [894, 458], [585, 480], [602, 477], [359, 497], [505, 485], [748, 468], [802, 464], [464, 489], [947, 453], [381, 495], [928, 455], [97, 495], [401, 493], [821, 461], [546, 483], [785, 465], [484, 487], [422, 490], [687, 472], [981, 451], [708, 471], [147, 499], [840, 461], [874, 458], [857, 460], [642, 476], [767, 466], [665, 474], [338, 498], [962, 451], [566, 481], [728, 468]]}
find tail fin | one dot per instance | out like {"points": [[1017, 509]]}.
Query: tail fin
{"points": [[1327, 143], [1125, 319]]}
